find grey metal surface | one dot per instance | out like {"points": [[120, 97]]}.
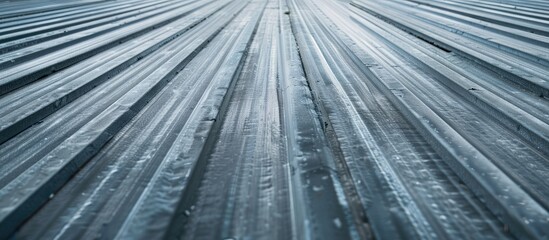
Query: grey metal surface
{"points": [[274, 119]]}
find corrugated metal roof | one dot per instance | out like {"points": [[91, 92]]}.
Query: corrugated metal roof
{"points": [[267, 119]]}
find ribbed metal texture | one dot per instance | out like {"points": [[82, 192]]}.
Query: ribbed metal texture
{"points": [[274, 119]]}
